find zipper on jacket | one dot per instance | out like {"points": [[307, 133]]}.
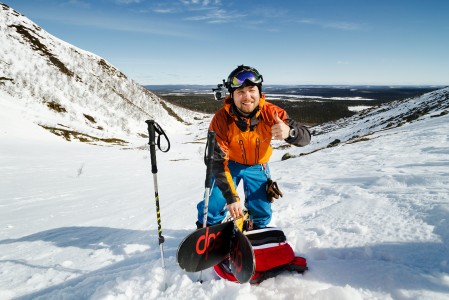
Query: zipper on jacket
{"points": [[242, 148], [257, 151]]}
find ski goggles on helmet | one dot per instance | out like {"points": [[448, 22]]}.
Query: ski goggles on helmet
{"points": [[241, 77]]}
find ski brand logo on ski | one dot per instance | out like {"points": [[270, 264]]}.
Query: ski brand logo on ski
{"points": [[242, 260], [213, 242], [237, 256], [208, 242]]}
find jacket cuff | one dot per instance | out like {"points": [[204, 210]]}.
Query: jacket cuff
{"points": [[232, 199]]}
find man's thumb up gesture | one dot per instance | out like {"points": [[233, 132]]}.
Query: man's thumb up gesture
{"points": [[280, 130]]}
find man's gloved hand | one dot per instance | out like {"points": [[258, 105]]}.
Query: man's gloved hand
{"points": [[273, 190]]}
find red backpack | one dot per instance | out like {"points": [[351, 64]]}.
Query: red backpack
{"points": [[272, 254]]}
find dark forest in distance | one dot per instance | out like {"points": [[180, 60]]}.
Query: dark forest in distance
{"points": [[315, 108]]}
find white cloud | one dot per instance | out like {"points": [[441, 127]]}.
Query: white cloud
{"points": [[342, 25], [349, 26], [197, 2], [152, 27], [77, 3], [164, 10], [215, 16], [127, 1]]}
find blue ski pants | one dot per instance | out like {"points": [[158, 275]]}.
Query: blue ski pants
{"points": [[256, 202]]}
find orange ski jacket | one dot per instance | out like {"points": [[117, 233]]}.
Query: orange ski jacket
{"points": [[246, 140]]}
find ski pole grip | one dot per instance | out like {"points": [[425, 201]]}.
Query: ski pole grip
{"points": [[209, 157], [152, 143]]}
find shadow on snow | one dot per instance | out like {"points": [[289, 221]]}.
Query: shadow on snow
{"points": [[115, 240], [387, 267]]}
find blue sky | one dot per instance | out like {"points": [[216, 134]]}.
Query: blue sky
{"points": [[394, 42]]}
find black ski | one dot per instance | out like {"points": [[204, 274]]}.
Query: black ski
{"points": [[205, 247], [242, 260]]}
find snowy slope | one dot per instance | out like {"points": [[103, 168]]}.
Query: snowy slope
{"points": [[68, 90], [384, 117], [78, 221]]}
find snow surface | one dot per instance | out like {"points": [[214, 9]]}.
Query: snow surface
{"points": [[78, 221]]}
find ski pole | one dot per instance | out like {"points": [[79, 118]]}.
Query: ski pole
{"points": [[154, 128], [208, 160]]}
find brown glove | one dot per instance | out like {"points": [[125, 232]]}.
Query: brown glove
{"points": [[273, 190]]}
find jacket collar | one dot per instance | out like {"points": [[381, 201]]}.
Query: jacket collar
{"points": [[244, 122], [228, 103]]}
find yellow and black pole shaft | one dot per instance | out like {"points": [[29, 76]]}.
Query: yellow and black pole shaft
{"points": [[152, 143], [154, 128]]}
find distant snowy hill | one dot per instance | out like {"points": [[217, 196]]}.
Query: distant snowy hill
{"points": [[363, 125], [69, 91]]}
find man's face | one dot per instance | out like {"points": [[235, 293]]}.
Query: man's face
{"points": [[247, 98]]}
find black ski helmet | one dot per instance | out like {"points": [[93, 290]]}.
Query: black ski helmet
{"points": [[244, 76]]}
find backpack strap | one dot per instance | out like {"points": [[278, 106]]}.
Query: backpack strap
{"points": [[268, 235]]}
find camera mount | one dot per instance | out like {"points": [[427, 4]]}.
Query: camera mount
{"points": [[220, 92]]}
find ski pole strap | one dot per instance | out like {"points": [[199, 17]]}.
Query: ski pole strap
{"points": [[209, 157], [154, 128]]}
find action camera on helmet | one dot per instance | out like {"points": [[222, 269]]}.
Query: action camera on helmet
{"points": [[220, 92]]}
